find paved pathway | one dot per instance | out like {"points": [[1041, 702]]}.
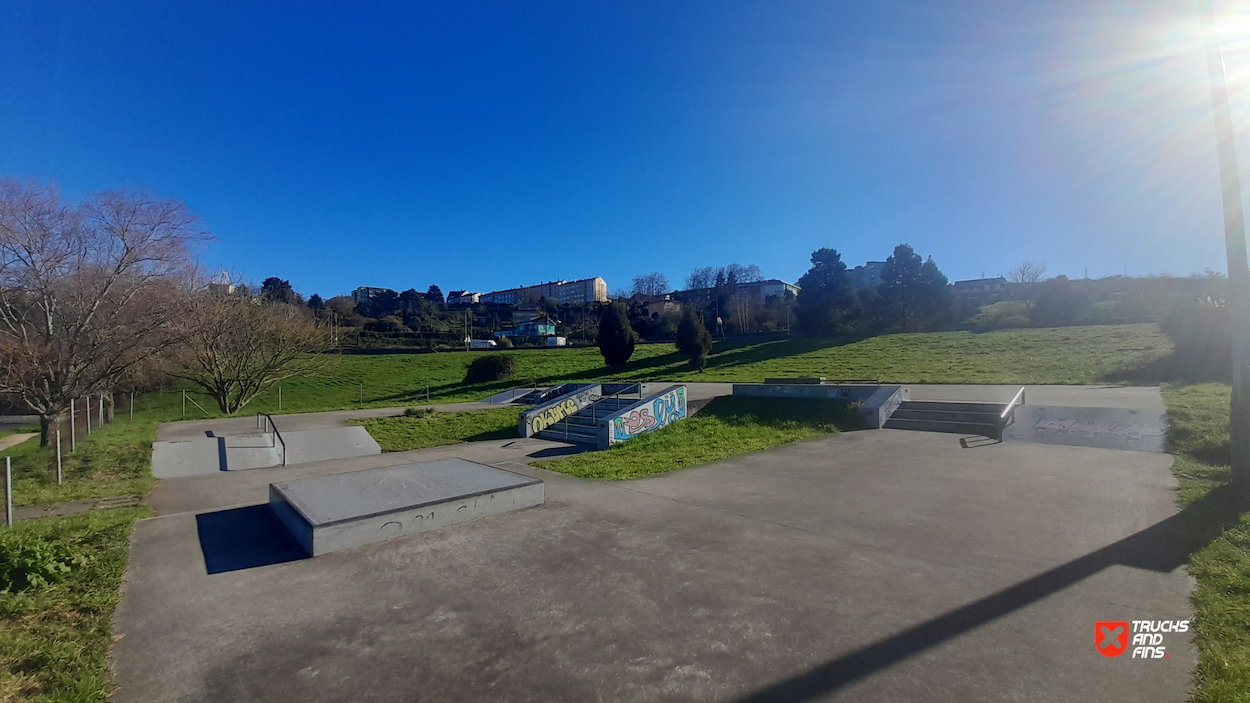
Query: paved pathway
{"points": [[15, 439]]}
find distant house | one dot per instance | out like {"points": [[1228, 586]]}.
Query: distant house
{"points": [[542, 326], [983, 291], [523, 313], [364, 293], [586, 290], [659, 307], [463, 297], [538, 327], [868, 275]]}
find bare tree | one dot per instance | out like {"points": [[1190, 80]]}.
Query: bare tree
{"points": [[237, 349], [707, 276], [704, 277], [743, 274], [1027, 272], [653, 283], [741, 311], [88, 292]]}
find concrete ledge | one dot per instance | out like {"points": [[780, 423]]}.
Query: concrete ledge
{"points": [[330, 513], [876, 402]]}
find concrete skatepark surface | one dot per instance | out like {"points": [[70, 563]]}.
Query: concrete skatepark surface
{"points": [[873, 565]]}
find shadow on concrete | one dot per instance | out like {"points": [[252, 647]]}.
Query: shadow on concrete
{"points": [[244, 538], [551, 452], [974, 441], [221, 454], [1161, 547]]}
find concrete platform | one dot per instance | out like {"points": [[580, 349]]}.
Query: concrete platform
{"points": [[341, 511]]}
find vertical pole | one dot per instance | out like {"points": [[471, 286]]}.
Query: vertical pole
{"points": [[362, 394], [72, 421], [58, 456], [184, 402], [101, 422], [8, 491], [1235, 251], [86, 413], [132, 406], [279, 398]]}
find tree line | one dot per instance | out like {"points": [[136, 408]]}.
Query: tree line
{"points": [[106, 294]]}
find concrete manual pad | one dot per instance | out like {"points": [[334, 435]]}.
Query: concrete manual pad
{"points": [[341, 511], [1106, 428]]}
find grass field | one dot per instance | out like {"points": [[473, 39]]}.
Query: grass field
{"points": [[112, 461], [401, 434], [1219, 528], [727, 427], [54, 639], [1093, 354]]}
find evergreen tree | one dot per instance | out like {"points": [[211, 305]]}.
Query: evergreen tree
{"points": [[913, 291], [693, 339], [827, 303], [435, 295], [315, 302], [277, 290], [616, 337]]}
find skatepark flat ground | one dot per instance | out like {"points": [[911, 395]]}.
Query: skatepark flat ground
{"points": [[876, 565]]}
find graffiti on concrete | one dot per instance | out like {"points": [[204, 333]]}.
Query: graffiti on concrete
{"points": [[660, 412], [546, 417]]}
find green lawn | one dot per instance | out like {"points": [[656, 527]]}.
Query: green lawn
{"points": [[54, 639], [1093, 354], [112, 461], [401, 434], [727, 427], [1219, 529]]}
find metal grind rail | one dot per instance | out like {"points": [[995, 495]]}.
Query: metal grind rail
{"points": [[264, 423], [1009, 413]]}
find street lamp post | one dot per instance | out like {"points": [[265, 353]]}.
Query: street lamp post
{"points": [[1235, 248]]}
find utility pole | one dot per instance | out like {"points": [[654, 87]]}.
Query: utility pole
{"points": [[1235, 249]]}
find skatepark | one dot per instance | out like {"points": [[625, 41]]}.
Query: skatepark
{"points": [[880, 564]]}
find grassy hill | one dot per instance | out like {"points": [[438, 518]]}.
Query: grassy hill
{"points": [[1094, 354]]}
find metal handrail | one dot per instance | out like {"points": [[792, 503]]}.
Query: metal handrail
{"points": [[1018, 399], [269, 424], [1009, 413]]}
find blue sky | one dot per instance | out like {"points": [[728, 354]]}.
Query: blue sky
{"points": [[484, 145]]}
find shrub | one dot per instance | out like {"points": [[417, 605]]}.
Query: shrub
{"points": [[491, 367], [1203, 337], [693, 339], [505, 343], [616, 338], [1058, 303], [419, 412], [27, 561]]}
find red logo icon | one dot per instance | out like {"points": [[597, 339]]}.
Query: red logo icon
{"points": [[1111, 637]]}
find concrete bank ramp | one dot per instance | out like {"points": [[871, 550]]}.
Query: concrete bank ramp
{"points": [[1139, 430], [208, 455]]}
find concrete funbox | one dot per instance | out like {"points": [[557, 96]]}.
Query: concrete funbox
{"points": [[341, 511], [876, 402]]}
